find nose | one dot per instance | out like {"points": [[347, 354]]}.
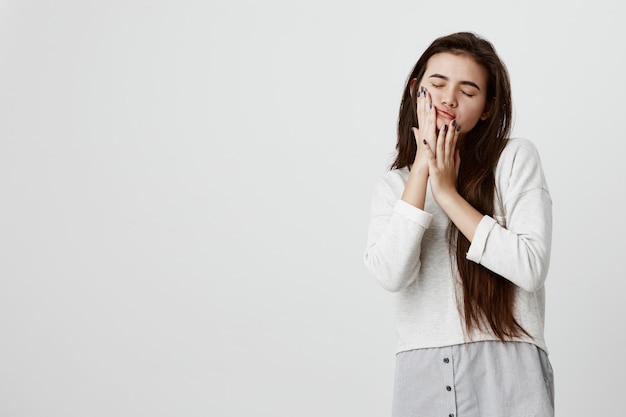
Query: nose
{"points": [[449, 98]]}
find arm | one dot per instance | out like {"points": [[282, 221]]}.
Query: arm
{"points": [[395, 236], [398, 219], [519, 248], [415, 190], [443, 167]]}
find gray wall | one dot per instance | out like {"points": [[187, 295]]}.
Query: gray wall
{"points": [[185, 194]]}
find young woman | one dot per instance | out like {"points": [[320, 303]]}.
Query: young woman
{"points": [[460, 231]]}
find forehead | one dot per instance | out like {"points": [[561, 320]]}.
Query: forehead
{"points": [[456, 67]]}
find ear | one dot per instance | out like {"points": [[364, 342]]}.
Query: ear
{"points": [[487, 111], [411, 85]]}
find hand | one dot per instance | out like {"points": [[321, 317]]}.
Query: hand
{"points": [[427, 121], [444, 163]]}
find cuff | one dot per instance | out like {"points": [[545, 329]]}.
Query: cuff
{"points": [[477, 247], [413, 214]]}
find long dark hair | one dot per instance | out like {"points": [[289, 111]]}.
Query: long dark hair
{"points": [[488, 298]]}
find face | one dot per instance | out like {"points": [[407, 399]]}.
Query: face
{"points": [[458, 89]]}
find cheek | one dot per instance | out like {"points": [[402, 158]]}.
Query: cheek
{"points": [[470, 118], [435, 95]]}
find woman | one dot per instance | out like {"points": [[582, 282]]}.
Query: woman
{"points": [[460, 231]]}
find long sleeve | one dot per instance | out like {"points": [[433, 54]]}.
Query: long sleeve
{"points": [[395, 235], [516, 243], [408, 251]]}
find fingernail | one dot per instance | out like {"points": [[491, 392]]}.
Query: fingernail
{"points": [[418, 93], [422, 88], [430, 105], [453, 122], [458, 128], [425, 143], [445, 128]]}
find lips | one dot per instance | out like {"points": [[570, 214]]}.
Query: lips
{"points": [[445, 114]]}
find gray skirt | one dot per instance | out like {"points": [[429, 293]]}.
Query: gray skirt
{"points": [[480, 379]]}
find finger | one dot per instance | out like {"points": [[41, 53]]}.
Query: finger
{"points": [[441, 141], [450, 143], [453, 141], [430, 112], [457, 162], [421, 112], [430, 156], [424, 99], [430, 119], [420, 105]]}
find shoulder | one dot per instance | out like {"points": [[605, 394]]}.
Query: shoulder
{"points": [[519, 148], [519, 154], [519, 167], [393, 180], [388, 188]]}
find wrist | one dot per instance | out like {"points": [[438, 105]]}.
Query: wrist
{"points": [[419, 170], [449, 199]]}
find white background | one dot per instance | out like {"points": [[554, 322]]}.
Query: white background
{"points": [[184, 199]]}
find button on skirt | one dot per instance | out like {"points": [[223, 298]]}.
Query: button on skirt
{"points": [[478, 379]]}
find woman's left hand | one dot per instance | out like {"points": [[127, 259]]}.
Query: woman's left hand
{"points": [[443, 165]]}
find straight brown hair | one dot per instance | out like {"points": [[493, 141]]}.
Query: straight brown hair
{"points": [[488, 298]]}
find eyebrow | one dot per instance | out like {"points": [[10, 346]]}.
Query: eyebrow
{"points": [[443, 77]]}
